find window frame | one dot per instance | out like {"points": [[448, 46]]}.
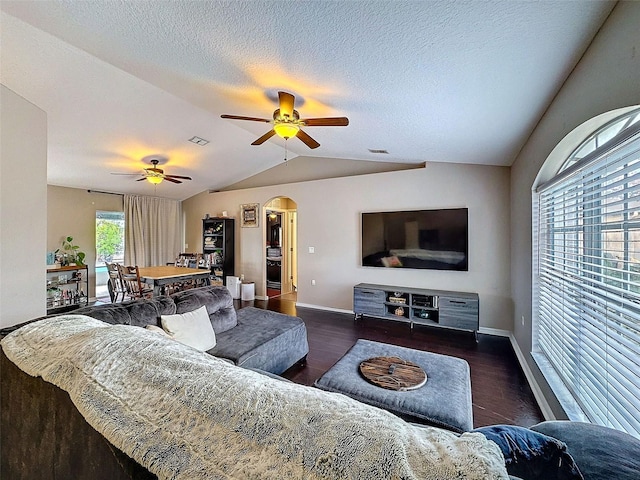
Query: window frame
{"points": [[589, 259]]}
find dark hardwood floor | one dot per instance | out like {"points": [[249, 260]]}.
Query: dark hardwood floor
{"points": [[501, 394]]}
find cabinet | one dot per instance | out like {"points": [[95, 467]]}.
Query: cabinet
{"points": [[217, 247], [421, 306], [67, 288]]}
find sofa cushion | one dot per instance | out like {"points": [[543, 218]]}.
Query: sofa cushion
{"points": [[263, 339], [191, 328], [218, 301], [135, 312], [600, 452], [532, 455]]}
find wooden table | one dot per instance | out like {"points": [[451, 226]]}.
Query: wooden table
{"points": [[161, 276]]}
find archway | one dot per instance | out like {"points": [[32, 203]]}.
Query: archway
{"points": [[280, 255]]}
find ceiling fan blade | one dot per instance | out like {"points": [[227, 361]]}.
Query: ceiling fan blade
{"points": [[172, 180], [264, 137], [286, 104], [326, 122], [114, 173], [142, 179], [253, 119], [307, 140], [178, 176]]}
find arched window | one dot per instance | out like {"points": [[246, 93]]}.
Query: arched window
{"points": [[586, 294]]}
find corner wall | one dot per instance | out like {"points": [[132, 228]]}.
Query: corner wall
{"points": [[606, 78], [23, 202], [329, 220]]}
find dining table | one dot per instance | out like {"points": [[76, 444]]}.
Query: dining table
{"points": [[161, 276]]}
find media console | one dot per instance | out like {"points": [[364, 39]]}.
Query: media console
{"points": [[437, 308]]}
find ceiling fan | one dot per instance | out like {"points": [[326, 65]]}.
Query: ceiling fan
{"points": [[287, 122], [156, 175]]}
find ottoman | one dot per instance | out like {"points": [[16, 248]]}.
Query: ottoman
{"points": [[444, 401]]}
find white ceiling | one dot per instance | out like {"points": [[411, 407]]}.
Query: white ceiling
{"points": [[444, 81]]}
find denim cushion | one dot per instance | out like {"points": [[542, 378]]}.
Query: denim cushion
{"points": [[531, 455], [600, 452]]}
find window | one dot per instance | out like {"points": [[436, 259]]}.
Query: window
{"points": [[109, 237], [587, 277]]}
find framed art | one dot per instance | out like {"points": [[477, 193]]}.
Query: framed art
{"points": [[249, 214]]}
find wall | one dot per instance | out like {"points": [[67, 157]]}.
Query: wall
{"points": [[606, 78], [23, 202], [329, 220], [72, 212]]}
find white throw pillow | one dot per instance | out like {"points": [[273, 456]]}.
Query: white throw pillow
{"points": [[191, 328], [158, 330]]}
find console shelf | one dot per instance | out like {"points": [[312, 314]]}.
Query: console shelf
{"points": [[438, 308]]}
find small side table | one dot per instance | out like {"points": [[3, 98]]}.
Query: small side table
{"points": [[248, 290]]}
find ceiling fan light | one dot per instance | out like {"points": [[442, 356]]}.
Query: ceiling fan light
{"points": [[286, 129], [155, 179]]}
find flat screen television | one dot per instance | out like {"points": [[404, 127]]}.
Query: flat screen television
{"points": [[431, 239]]}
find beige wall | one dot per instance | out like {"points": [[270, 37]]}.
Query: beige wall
{"points": [[606, 78], [72, 212], [23, 205], [329, 220]]}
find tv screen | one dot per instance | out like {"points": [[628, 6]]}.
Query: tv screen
{"points": [[432, 239]]}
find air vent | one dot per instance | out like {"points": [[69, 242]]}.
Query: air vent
{"points": [[199, 141], [373, 150]]}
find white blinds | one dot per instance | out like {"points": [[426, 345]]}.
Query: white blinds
{"points": [[587, 295]]}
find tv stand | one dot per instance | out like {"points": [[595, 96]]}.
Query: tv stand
{"points": [[435, 308]]}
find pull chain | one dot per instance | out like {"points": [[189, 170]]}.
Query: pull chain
{"points": [[285, 150]]}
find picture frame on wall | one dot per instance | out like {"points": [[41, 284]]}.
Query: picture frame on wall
{"points": [[249, 214]]}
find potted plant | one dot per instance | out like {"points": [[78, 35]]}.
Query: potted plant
{"points": [[73, 253]]}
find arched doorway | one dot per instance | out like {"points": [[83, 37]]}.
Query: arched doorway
{"points": [[280, 234]]}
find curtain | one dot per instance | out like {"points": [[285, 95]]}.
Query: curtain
{"points": [[152, 230]]}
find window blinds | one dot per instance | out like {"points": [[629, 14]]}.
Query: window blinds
{"points": [[587, 282]]}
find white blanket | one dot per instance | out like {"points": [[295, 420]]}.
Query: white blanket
{"points": [[184, 414]]}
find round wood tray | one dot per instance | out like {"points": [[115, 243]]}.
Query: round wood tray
{"points": [[393, 373]]}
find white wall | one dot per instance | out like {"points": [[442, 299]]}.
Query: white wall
{"points": [[606, 78], [329, 220], [23, 209], [71, 212]]}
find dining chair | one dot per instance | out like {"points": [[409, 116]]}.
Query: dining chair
{"points": [[133, 284], [182, 260], [115, 285]]}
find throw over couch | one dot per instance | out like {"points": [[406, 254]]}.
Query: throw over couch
{"points": [[249, 337]]}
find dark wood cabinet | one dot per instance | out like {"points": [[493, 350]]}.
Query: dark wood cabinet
{"points": [[218, 240]]}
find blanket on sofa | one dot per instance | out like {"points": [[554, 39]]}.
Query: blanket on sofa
{"points": [[184, 414]]}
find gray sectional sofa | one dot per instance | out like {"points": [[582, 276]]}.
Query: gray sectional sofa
{"points": [[43, 435], [249, 337]]}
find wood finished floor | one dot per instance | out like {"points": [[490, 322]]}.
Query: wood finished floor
{"points": [[501, 394]]}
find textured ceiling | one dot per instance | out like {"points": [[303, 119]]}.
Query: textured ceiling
{"points": [[443, 81]]}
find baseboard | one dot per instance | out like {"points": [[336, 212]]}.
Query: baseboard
{"points": [[535, 388], [322, 307], [498, 332]]}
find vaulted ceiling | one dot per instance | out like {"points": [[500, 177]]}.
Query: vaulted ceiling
{"points": [[426, 81]]}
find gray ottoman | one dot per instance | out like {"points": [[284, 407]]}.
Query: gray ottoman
{"points": [[444, 401]]}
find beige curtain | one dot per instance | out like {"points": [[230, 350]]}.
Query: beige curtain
{"points": [[152, 230]]}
